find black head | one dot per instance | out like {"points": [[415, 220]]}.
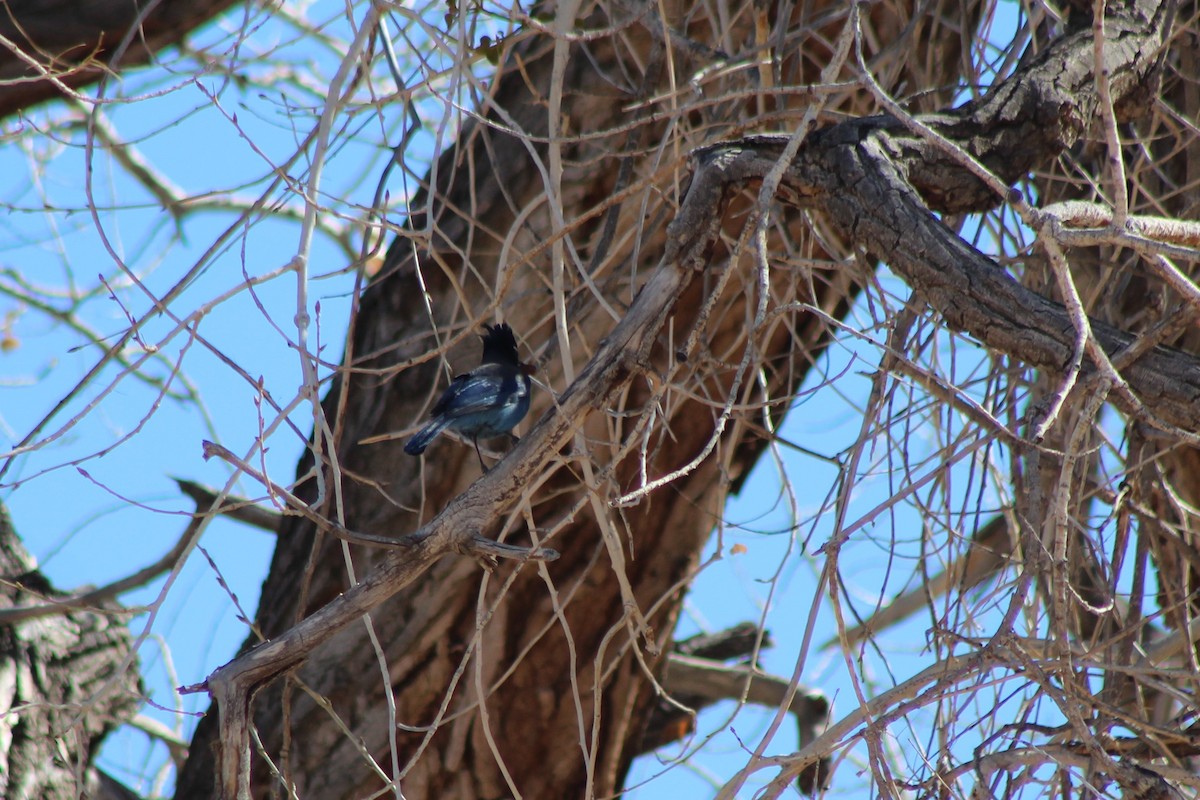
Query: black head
{"points": [[499, 345]]}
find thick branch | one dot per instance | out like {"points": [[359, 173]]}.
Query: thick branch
{"points": [[1038, 112], [975, 295], [457, 527], [864, 175], [50, 47], [864, 192]]}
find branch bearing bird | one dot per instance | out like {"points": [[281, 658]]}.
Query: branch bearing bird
{"points": [[487, 401]]}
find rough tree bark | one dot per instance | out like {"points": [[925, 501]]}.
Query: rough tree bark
{"points": [[545, 651], [1161, 153], [50, 47], [481, 247], [60, 691], [1117, 286], [527, 662]]}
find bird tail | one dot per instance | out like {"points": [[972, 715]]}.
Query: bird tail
{"points": [[417, 444]]}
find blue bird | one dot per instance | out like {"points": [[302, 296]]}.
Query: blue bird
{"points": [[487, 401]]}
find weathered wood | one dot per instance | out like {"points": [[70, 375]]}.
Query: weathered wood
{"points": [[486, 227], [66, 680]]}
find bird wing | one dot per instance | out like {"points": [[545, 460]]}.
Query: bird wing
{"points": [[482, 389]]}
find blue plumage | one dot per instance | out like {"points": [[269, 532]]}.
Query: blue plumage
{"points": [[487, 401]]}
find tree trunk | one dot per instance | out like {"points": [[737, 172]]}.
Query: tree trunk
{"points": [[529, 679], [64, 684]]}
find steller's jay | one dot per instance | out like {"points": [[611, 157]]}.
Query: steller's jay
{"points": [[487, 401]]}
